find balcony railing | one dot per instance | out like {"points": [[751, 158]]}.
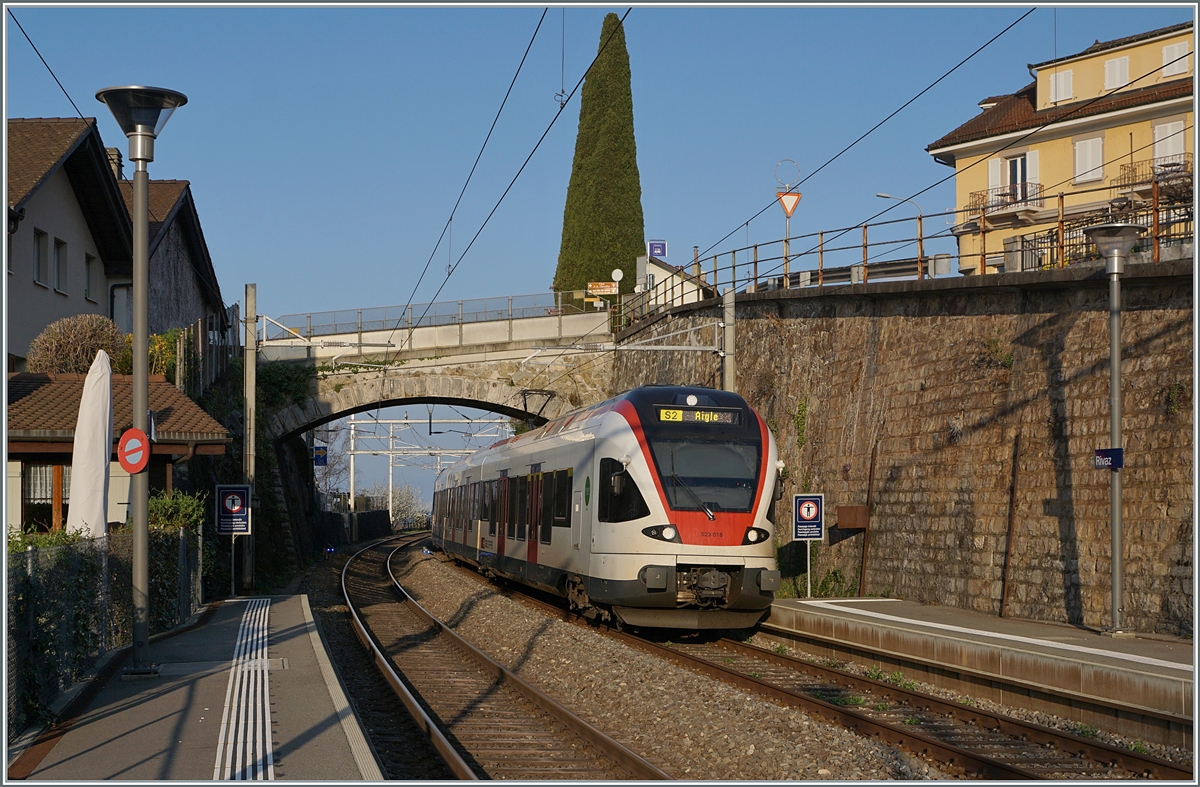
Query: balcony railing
{"points": [[1015, 195], [1167, 171]]}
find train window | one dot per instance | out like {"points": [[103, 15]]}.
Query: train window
{"points": [[522, 506], [619, 498], [562, 498], [511, 530], [494, 510], [699, 475], [547, 508], [485, 501]]}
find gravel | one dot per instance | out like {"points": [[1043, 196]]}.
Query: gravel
{"points": [[689, 725]]}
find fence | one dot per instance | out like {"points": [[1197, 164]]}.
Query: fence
{"points": [[858, 254], [69, 605], [204, 350], [420, 315]]}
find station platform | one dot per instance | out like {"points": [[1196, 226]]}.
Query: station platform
{"points": [[1019, 661], [245, 692]]}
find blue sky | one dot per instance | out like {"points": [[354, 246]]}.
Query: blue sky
{"points": [[326, 146]]}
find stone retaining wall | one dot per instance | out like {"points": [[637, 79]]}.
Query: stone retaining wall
{"points": [[945, 382]]}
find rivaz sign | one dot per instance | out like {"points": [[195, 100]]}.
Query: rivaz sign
{"points": [[1110, 458]]}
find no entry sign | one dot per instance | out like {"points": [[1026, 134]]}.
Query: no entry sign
{"points": [[233, 509], [133, 451]]}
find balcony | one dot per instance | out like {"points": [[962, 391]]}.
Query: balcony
{"points": [[1016, 198], [1173, 174]]}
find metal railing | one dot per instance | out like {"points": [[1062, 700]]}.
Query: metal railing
{"points": [[1015, 195], [420, 315], [1167, 171], [868, 252]]}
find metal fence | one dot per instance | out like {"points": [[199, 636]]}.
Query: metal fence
{"points": [[204, 350], [421, 315], [67, 606]]}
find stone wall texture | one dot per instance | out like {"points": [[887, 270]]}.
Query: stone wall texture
{"points": [[946, 382]]}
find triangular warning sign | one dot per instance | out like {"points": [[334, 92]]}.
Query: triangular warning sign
{"points": [[789, 200]]}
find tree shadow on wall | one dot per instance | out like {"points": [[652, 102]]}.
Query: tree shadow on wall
{"points": [[1048, 338]]}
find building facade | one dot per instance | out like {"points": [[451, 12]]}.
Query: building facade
{"points": [[1106, 132]]}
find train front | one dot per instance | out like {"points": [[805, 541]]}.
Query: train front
{"points": [[692, 485]]}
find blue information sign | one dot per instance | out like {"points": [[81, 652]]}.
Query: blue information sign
{"points": [[1110, 458], [320, 456], [808, 517], [233, 509], [658, 248]]}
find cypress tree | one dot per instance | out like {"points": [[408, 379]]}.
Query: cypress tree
{"points": [[602, 222]]}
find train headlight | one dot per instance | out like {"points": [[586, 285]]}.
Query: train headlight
{"points": [[663, 533], [755, 535]]}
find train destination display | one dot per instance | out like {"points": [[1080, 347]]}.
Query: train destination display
{"points": [[694, 415]]}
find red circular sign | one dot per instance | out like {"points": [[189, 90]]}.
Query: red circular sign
{"points": [[133, 451], [808, 510]]}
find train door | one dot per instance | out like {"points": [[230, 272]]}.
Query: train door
{"points": [[473, 529], [576, 518], [535, 522]]}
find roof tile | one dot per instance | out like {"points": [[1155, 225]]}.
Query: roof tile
{"points": [[35, 147]]}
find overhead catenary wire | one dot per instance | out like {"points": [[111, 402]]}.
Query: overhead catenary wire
{"points": [[450, 220], [524, 164], [1059, 118], [871, 130]]}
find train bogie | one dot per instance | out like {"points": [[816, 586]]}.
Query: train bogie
{"points": [[650, 508]]}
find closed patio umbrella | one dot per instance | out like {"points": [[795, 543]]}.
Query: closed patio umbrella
{"points": [[88, 512]]}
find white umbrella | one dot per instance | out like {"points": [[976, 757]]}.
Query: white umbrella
{"points": [[88, 512]]}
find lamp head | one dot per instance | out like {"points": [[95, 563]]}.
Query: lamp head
{"points": [[884, 196], [141, 112], [1114, 241]]}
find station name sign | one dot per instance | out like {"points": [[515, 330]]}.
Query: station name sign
{"points": [[1110, 458], [694, 415]]}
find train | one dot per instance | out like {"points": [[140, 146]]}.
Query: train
{"points": [[652, 509]]}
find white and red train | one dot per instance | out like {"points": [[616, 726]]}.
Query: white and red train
{"points": [[651, 507]]}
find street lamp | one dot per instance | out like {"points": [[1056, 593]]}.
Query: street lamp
{"points": [[1115, 241], [141, 112], [920, 233]]}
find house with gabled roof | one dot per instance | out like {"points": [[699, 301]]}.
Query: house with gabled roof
{"points": [[69, 233], [1102, 132], [70, 238]]}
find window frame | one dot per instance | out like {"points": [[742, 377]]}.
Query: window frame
{"points": [[61, 261], [41, 253], [89, 271]]}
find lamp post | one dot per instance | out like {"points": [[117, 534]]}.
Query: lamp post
{"points": [[920, 232], [141, 112], [1115, 241]]}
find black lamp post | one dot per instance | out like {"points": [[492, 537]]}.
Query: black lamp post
{"points": [[141, 112], [1114, 242]]}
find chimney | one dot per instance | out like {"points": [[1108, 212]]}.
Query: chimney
{"points": [[114, 161]]}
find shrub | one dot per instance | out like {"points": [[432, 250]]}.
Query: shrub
{"points": [[71, 344]]}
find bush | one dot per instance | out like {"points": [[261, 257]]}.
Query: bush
{"points": [[71, 344], [171, 512]]}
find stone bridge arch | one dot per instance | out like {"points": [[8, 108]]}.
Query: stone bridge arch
{"points": [[515, 388]]}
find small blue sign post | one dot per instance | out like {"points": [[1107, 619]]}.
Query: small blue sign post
{"points": [[233, 517], [320, 456], [808, 525], [658, 248]]}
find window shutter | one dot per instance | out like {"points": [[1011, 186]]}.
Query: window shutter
{"points": [[1089, 159], [1170, 53], [1168, 139], [994, 173], [1116, 73], [1031, 167]]}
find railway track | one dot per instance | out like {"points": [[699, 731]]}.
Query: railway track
{"points": [[484, 721], [974, 740]]}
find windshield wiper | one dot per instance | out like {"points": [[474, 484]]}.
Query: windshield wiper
{"points": [[707, 511]]}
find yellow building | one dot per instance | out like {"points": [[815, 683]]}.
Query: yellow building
{"points": [[1106, 132]]}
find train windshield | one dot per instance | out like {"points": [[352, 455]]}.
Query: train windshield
{"points": [[702, 475]]}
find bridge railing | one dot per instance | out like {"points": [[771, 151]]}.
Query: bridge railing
{"points": [[421, 315]]}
